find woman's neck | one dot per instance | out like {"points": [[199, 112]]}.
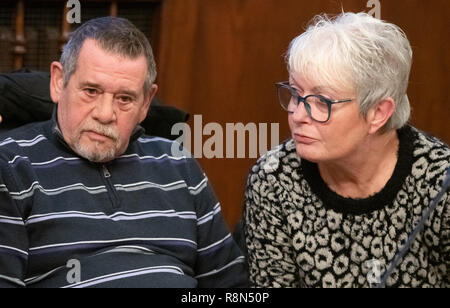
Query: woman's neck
{"points": [[366, 171]]}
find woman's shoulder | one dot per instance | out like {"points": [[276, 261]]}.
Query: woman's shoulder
{"points": [[431, 156], [424, 142], [278, 158], [276, 166], [430, 148]]}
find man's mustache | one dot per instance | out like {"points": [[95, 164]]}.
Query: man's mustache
{"points": [[105, 130]]}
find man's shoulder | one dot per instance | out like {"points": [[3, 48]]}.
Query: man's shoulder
{"points": [[22, 139], [155, 143], [158, 146], [25, 132], [165, 155]]}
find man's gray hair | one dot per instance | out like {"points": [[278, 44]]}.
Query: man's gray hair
{"points": [[112, 34], [360, 53]]}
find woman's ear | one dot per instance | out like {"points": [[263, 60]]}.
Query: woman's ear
{"points": [[56, 81], [380, 114]]}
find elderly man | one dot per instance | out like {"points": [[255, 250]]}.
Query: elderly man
{"points": [[87, 200]]}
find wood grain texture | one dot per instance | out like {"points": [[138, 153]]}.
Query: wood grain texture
{"points": [[220, 59]]}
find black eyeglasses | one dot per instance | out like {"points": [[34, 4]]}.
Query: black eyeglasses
{"points": [[317, 106]]}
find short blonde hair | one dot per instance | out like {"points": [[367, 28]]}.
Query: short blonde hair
{"points": [[360, 53]]}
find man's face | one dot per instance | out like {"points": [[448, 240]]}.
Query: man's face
{"points": [[102, 103]]}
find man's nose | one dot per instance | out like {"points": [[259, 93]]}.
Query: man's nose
{"points": [[104, 110]]}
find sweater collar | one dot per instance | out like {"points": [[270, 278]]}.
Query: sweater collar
{"points": [[377, 201]]}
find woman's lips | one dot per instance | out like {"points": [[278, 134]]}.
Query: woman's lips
{"points": [[303, 139]]}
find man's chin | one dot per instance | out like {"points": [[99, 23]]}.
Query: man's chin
{"points": [[102, 160], [97, 155]]}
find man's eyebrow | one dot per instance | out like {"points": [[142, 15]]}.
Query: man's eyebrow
{"points": [[90, 84], [131, 93]]}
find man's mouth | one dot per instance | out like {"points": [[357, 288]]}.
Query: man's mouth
{"points": [[97, 136]]}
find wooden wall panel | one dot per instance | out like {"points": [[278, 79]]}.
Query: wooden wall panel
{"points": [[221, 58], [427, 25]]}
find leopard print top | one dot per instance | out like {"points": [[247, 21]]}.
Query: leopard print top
{"points": [[299, 233]]}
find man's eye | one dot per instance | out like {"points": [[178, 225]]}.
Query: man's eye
{"points": [[125, 99], [90, 91]]}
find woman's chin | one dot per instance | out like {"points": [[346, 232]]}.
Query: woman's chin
{"points": [[307, 152]]}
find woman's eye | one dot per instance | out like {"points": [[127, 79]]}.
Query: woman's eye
{"points": [[298, 91]]}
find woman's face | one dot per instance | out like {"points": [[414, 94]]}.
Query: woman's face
{"points": [[339, 138]]}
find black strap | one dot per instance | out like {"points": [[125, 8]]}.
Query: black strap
{"points": [[426, 214]]}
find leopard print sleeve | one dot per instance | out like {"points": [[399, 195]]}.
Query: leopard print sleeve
{"points": [[445, 240], [270, 255]]}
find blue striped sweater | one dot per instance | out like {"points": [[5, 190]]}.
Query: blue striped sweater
{"points": [[146, 219]]}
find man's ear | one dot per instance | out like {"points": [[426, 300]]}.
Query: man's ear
{"points": [[56, 81], [380, 114], [148, 99]]}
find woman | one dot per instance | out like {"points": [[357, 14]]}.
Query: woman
{"points": [[332, 206]]}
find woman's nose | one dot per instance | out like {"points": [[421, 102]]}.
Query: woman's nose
{"points": [[301, 114]]}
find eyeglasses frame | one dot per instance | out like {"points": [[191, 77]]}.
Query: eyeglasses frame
{"points": [[300, 98]]}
